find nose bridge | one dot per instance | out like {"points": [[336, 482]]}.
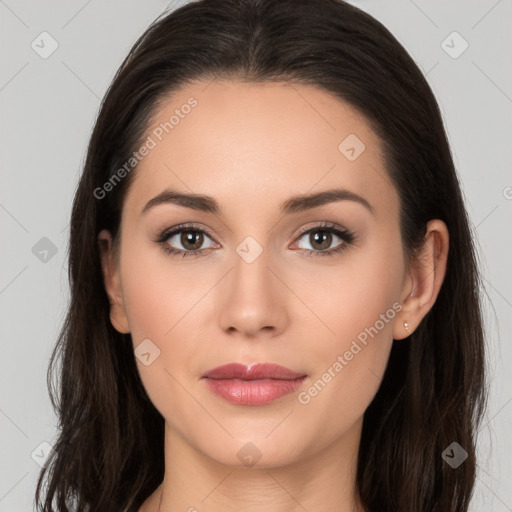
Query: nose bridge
{"points": [[251, 265], [252, 279]]}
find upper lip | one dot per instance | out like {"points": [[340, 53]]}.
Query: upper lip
{"points": [[252, 372]]}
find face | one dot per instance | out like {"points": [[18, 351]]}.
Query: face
{"points": [[314, 286]]}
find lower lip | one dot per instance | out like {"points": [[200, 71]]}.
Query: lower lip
{"points": [[253, 392]]}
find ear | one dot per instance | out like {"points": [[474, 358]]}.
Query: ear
{"points": [[112, 283], [427, 271]]}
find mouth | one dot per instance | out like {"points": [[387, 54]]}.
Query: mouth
{"points": [[257, 384]]}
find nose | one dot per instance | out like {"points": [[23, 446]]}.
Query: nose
{"points": [[253, 299]]}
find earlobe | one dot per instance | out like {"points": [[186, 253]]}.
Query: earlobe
{"points": [[112, 283], [427, 272]]}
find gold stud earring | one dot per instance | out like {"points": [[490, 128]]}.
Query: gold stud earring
{"points": [[406, 325]]}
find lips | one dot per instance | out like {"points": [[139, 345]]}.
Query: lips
{"points": [[252, 372], [257, 384]]}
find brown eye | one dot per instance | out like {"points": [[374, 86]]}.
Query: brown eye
{"points": [[185, 241], [320, 239], [192, 240], [325, 240]]}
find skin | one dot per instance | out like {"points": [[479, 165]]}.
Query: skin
{"points": [[251, 147]]}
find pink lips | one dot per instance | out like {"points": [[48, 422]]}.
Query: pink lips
{"points": [[257, 384]]}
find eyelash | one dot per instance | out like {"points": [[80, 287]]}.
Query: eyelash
{"points": [[347, 236]]}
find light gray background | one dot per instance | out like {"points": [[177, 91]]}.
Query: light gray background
{"points": [[48, 107]]}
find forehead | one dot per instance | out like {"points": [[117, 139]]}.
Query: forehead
{"points": [[253, 145]]}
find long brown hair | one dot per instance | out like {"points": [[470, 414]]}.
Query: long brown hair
{"points": [[109, 455]]}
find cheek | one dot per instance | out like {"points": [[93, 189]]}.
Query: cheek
{"points": [[361, 309], [160, 302], [163, 299], [351, 294], [159, 293]]}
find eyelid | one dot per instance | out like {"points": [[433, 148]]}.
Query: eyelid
{"points": [[320, 224], [187, 226], [166, 233], [347, 236]]}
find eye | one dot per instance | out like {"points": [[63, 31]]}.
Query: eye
{"points": [[190, 237], [323, 235]]}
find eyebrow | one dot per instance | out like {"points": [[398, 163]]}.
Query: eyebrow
{"points": [[294, 204]]}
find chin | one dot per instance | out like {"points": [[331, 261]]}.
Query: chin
{"points": [[254, 452]]}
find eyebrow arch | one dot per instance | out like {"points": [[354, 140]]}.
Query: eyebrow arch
{"points": [[294, 204]]}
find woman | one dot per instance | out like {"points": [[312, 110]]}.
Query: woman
{"points": [[274, 291]]}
